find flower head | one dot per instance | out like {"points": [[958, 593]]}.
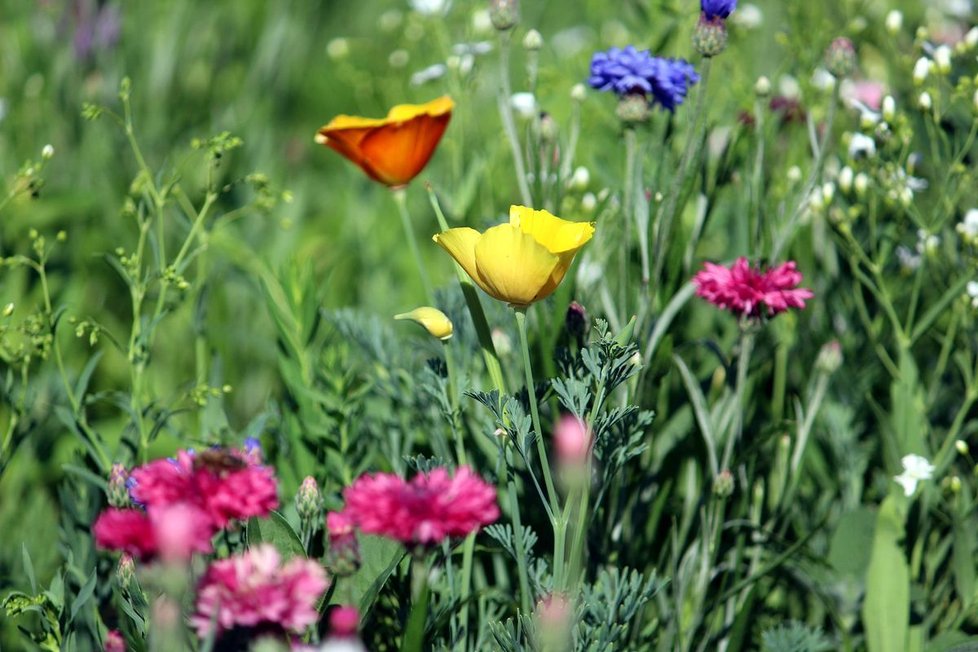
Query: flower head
{"points": [[172, 532], [717, 8], [114, 641], [915, 469], [629, 71], [391, 150], [257, 589], [745, 291], [428, 509], [520, 262]]}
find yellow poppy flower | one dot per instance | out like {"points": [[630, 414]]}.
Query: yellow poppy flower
{"points": [[391, 150], [520, 262], [433, 320]]}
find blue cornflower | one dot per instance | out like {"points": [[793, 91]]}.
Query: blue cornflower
{"points": [[632, 72], [717, 8]]}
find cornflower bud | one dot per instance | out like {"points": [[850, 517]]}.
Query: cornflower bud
{"points": [[829, 357], [118, 492], [723, 486], [504, 14], [840, 57], [125, 572], [762, 87], [633, 108], [710, 36], [578, 92], [548, 128], [343, 556], [47, 152], [309, 500]]}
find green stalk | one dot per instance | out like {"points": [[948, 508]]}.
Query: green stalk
{"points": [[506, 114], [521, 564], [413, 640], [743, 362], [664, 223], [400, 198]]}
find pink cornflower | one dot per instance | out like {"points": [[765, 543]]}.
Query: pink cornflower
{"points": [[173, 532], [426, 510], [256, 589], [745, 291], [572, 440], [227, 484]]}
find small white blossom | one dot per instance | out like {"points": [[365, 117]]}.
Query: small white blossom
{"points": [[525, 104], [589, 202], [481, 22], [925, 102], [828, 191], [921, 70], [47, 152], [861, 183], [971, 289], [748, 16], [578, 92], [823, 80], [580, 179], [430, 7], [889, 108], [788, 86], [794, 174], [894, 21], [927, 243], [845, 179], [474, 48], [915, 469], [909, 261], [971, 38], [968, 227], [428, 74], [762, 86], [861, 146]]}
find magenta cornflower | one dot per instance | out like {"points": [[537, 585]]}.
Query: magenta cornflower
{"points": [[426, 510], [114, 641], [255, 589], [228, 484], [172, 532], [746, 291]]}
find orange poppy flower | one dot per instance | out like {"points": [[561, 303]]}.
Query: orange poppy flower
{"points": [[391, 150]]}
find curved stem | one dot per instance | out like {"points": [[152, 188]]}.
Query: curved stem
{"points": [[506, 114], [400, 198]]}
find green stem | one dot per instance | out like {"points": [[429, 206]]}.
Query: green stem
{"points": [[521, 564], [400, 198], [743, 363], [535, 410], [666, 217], [413, 640], [506, 114], [453, 403]]}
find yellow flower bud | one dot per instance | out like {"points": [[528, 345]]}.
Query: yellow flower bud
{"points": [[434, 321]]}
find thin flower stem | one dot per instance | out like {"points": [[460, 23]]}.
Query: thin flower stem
{"points": [[468, 548], [453, 402], [535, 410], [664, 223], [414, 632], [521, 564], [400, 198], [576, 573], [506, 114], [475, 308], [743, 363], [757, 234]]}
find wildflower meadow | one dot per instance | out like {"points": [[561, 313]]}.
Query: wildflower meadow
{"points": [[489, 325]]}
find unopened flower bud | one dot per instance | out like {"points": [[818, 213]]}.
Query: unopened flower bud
{"points": [[894, 21], [589, 202], [846, 176], [504, 14], [575, 322], [47, 152], [8, 309], [828, 192], [344, 620], [794, 174], [962, 446], [555, 618], [921, 70], [723, 486], [971, 38], [572, 441], [125, 572], [433, 320], [633, 108], [343, 556], [578, 92], [889, 108], [925, 102], [118, 492], [829, 357], [710, 36], [533, 40], [524, 104], [942, 59], [581, 178], [309, 500], [762, 87], [860, 184], [840, 57], [548, 128]]}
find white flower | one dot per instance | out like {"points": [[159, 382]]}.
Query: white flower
{"points": [[474, 48], [430, 7], [579, 92], [47, 151], [968, 227], [748, 16], [889, 108], [894, 21], [581, 178], [861, 183], [925, 102], [921, 70], [861, 146], [909, 261], [971, 289], [846, 177], [971, 38], [481, 22], [789, 87], [823, 80], [525, 104], [927, 243], [794, 174], [762, 86], [428, 74], [915, 469], [589, 202]]}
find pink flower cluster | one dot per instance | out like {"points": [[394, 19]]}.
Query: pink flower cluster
{"points": [[745, 291], [186, 501], [256, 588], [426, 510]]}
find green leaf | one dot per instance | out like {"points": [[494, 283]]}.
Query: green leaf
{"points": [[84, 595], [852, 542], [702, 412], [28, 567], [963, 563], [277, 531], [886, 609], [908, 421], [379, 557]]}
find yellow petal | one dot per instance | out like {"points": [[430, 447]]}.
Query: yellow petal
{"points": [[512, 266], [557, 235], [433, 320], [460, 245], [436, 107]]}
